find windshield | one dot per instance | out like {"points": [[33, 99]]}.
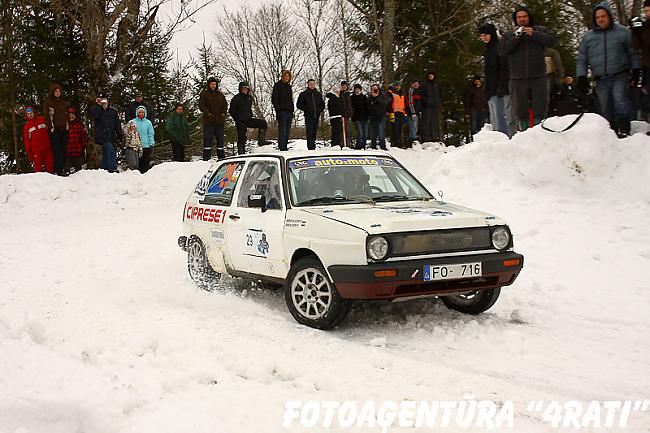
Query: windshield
{"points": [[351, 179]]}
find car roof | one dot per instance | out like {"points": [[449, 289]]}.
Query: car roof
{"points": [[313, 153]]}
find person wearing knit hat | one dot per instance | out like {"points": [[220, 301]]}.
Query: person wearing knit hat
{"points": [[525, 47], [241, 111], [37, 142], [495, 69], [77, 142], [214, 107], [641, 41]]}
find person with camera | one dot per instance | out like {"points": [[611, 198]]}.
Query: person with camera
{"points": [[526, 47], [606, 49], [640, 27]]}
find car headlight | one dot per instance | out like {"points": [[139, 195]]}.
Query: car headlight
{"points": [[500, 238], [378, 248]]}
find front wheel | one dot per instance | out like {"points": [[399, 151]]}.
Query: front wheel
{"points": [[474, 302], [311, 297], [198, 265]]}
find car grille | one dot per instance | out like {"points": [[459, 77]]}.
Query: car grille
{"points": [[440, 241]]}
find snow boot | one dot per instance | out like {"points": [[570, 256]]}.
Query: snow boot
{"points": [[261, 138]]}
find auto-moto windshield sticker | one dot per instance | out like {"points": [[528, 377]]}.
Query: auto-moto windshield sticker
{"points": [[346, 161], [203, 183], [256, 243], [423, 212], [219, 184], [208, 215]]}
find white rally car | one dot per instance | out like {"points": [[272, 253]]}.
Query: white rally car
{"points": [[341, 226]]}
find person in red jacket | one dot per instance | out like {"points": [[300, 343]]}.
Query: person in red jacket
{"points": [[77, 141], [37, 142]]}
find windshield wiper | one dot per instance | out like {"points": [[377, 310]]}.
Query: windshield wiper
{"points": [[398, 197], [337, 199]]}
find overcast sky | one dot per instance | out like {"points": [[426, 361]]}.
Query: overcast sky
{"points": [[187, 41]]}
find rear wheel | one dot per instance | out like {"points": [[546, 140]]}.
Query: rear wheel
{"points": [[198, 265], [311, 297], [474, 302]]}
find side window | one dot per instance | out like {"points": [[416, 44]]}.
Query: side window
{"points": [[263, 178], [379, 179], [220, 189]]}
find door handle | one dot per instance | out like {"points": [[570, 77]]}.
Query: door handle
{"points": [[234, 217]]}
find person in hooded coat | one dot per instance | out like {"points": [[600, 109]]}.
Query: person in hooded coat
{"points": [[146, 132], [241, 110], [525, 47], [55, 112], [282, 100], [607, 50], [132, 145], [214, 107], [178, 130], [335, 109], [37, 142], [495, 67], [310, 101]]}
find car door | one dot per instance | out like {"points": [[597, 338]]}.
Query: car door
{"points": [[257, 231], [212, 209]]}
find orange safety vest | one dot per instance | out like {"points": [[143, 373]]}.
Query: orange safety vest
{"points": [[398, 103]]}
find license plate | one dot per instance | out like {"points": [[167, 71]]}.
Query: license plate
{"points": [[450, 272]]}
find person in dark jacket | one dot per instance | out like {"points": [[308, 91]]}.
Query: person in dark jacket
{"points": [[282, 100], [55, 111], [335, 109], [310, 101], [214, 107], [431, 102], [107, 131], [378, 103], [607, 50], [360, 115], [241, 110], [495, 67], [526, 47], [413, 110], [476, 105], [347, 113], [569, 101], [178, 130], [77, 142], [641, 41], [130, 110]]}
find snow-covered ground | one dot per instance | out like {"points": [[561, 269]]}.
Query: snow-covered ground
{"points": [[102, 331]]}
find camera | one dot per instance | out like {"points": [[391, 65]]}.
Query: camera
{"points": [[519, 31], [636, 22]]}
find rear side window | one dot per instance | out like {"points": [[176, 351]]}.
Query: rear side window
{"points": [[220, 189]]}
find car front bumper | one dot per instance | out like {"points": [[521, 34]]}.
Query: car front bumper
{"points": [[360, 281]]}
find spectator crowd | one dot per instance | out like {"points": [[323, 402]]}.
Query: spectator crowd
{"points": [[523, 82]]}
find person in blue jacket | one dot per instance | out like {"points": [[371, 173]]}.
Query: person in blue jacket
{"points": [[145, 130], [108, 130], [607, 50]]}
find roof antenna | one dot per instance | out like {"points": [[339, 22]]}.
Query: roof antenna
{"points": [[440, 194]]}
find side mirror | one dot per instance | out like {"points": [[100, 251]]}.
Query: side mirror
{"points": [[257, 200]]}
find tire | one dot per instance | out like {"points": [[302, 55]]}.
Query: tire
{"points": [[198, 265], [474, 302], [322, 307]]}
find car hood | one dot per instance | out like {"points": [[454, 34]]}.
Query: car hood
{"points": [[405, 216]]}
